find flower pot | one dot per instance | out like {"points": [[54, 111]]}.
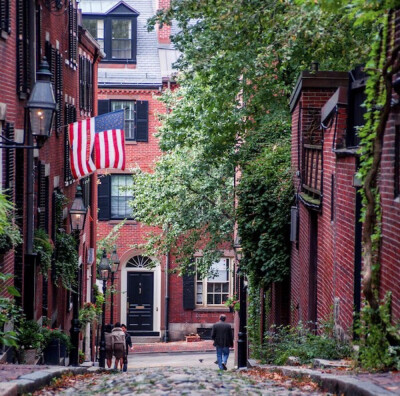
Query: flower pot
{"points": [[51, 354], [194, 338]]}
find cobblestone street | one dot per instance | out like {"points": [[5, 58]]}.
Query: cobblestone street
{"points": [[176, 381]]}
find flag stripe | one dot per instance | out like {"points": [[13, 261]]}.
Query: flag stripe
{"points": [[116, 152]]}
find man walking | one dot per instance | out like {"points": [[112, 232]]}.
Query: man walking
{"points": [[222, 335], [118, 345], [128, 343]]}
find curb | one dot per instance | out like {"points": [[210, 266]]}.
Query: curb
{"points": [[31, 382], [347, 385]]}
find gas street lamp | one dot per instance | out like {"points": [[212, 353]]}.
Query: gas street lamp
{"points": [[41, 104], [77, 219], [114, 268], [104, 271]]}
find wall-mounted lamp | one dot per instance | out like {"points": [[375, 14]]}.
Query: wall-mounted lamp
{"points": [[41, 107]]}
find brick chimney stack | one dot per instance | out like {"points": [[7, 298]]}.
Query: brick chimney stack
{"points": [[163, 35]]}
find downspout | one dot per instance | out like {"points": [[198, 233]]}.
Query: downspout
{"points": [[29, 155], [167, 265]]}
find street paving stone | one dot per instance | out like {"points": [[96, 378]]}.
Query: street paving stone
{"points": [[171, 381]]}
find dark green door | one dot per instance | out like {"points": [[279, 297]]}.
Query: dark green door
{"points": [[140, 301]]}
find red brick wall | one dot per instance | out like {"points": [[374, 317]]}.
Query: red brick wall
{"points": [[54, 29], [336, 231]]}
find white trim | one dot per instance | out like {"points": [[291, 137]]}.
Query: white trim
{"points": [[156, 291]]}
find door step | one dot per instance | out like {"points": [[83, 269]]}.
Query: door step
{"points": [[145, 339]]}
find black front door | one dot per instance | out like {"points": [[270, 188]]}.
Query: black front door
{"points": [[140, 301]]}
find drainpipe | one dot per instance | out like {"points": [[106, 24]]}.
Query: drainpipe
{"points": [[29, 154], [167, 264]]}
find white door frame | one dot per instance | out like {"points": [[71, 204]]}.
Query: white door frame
{"points": [[156, 290]]}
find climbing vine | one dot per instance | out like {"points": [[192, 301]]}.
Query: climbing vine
{"points": [[380, 340]]}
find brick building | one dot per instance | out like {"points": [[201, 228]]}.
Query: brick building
{"points": [[37, 179], [326, 260], [136, 69]]}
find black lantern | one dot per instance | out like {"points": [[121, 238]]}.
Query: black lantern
{"points": [[114, 261], [42, 104], [104, 266], [78, 211]]}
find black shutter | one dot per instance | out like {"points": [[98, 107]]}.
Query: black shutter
{"points": [[103, 107], [188, 291], [10, 163], [69, 117], [81, 99], [5, 16], [104, 198], [142, 121], [43, 191], [59, 92], [23, 61], [38, 34]]}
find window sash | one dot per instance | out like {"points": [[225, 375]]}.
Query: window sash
{"points": [[130, 112], [215, 289], [121, 39], [120, 198]]}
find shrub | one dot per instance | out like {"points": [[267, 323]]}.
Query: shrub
{"points": [[301, 342]]}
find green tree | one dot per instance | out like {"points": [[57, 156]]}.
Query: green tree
{"points": [[238, 66]]}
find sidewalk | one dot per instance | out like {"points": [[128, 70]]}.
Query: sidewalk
{"points": [[176, 346], [16, 379], [342, 382]]}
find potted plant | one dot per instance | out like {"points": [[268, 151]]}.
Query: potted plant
{"points": [[56, 345], [43, 246], [10, 237], [88, 314], [232, 303], [192, 337], [29, 341]]}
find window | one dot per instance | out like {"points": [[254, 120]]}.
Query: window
{"points": [[96, 28], [114, 197], [115, 31], [85, 84], [121, 44], [215, 289], [120, 196], [129, 107], [136, 116]]}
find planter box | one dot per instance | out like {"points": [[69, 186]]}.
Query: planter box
{"points": [[194, 338], [54, 352]]}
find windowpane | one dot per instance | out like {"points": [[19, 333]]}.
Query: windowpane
{"points": [[121, 45], [120, 197], [129, 107], [96, 28]]}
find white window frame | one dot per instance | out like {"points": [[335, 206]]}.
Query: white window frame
{"points": [[204, 282]]}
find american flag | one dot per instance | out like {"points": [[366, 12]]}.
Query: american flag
{"points": [[102, 136]]}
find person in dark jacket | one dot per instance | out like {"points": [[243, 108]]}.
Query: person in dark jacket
{"points": [[222, 335], [128, 342]]}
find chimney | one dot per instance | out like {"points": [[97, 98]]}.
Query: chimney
{"points": [[164, 33]]}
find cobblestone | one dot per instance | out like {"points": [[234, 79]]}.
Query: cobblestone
{"points": [[174, 381]]}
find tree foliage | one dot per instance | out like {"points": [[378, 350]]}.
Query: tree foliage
{"points": [[237, 69]]}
